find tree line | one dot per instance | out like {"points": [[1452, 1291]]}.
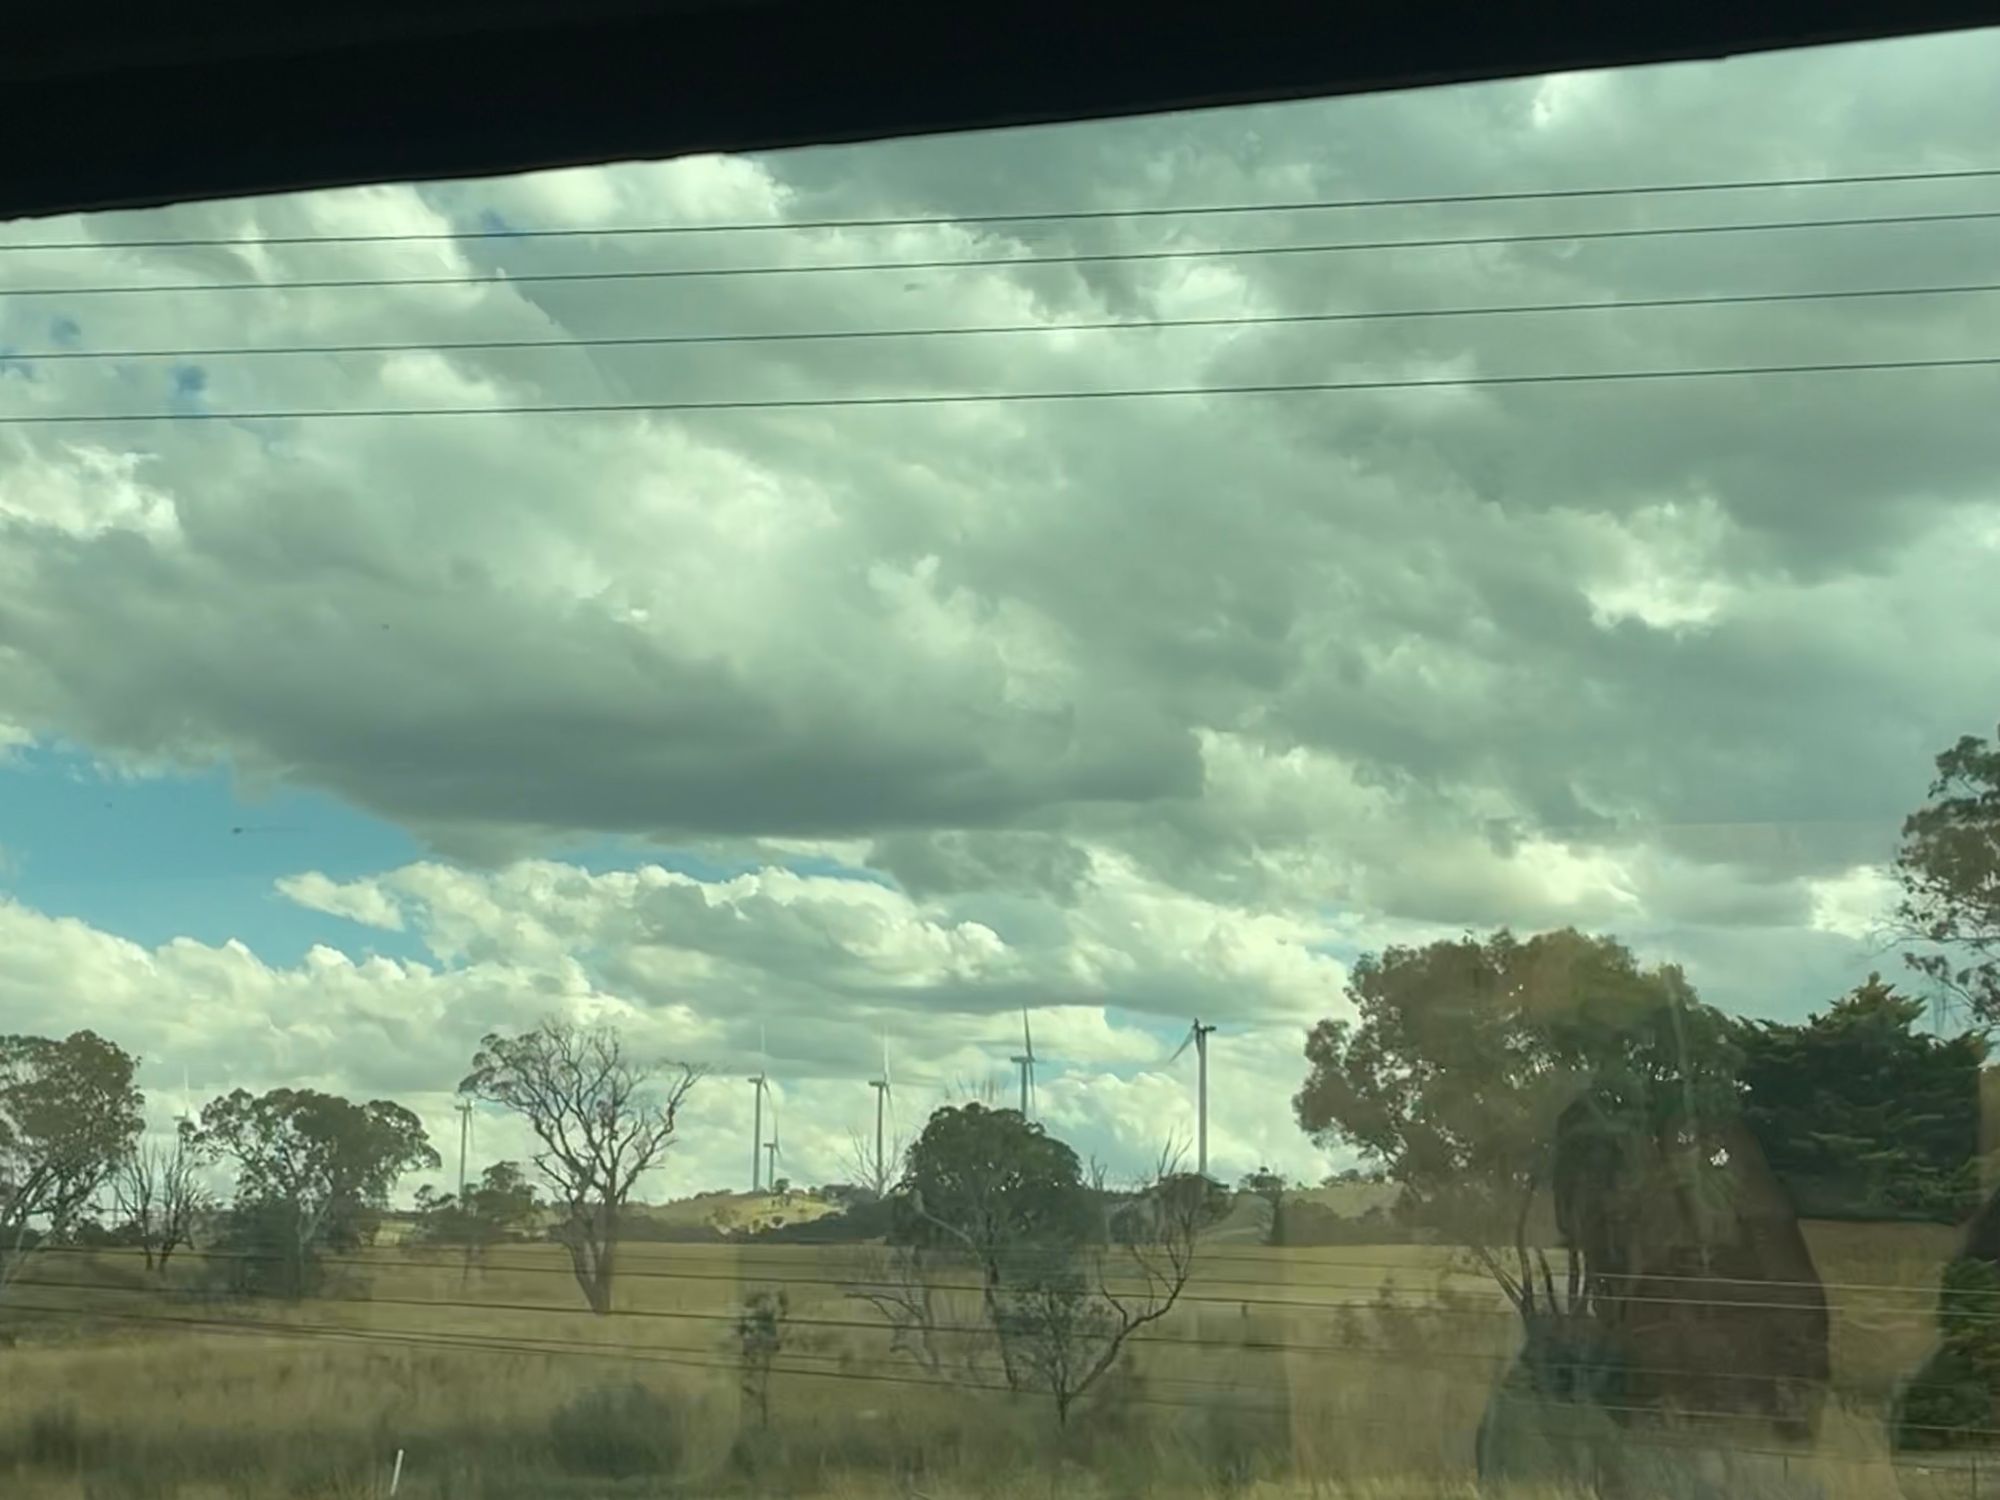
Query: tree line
{"points": [[1531, 1097], [312, 1173], [1629, 1165], [1066, 1270]]}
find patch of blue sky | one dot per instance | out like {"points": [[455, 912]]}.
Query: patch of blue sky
{"points": [[197, 855], [155, 857]]}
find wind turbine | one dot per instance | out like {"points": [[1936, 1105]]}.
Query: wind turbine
{"points": [[771, 1146], [881, 1087], [1198, 1034], [758, 1085], [1025, 1061]]}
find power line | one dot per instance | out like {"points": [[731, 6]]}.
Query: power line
{"points": [[1093, 257], [1497, 1308], [612, 1347], [1258, 320], [970, 398], [747, 1270], [1347, 1350], [1040, 216], [475, 1343]]}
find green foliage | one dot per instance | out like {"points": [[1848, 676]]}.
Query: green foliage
{"points": [[313, 1170], [617, 1432], [501, 1206], [69, 1112], [1949, 870], [1951, 1401], [1466, 1054], [254, 1251], [994, 1186], [1861, 1114], [760, 1338]]}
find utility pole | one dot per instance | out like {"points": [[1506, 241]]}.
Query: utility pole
{"points": [[1201, 1034], [757, 1132], [464, 1108]]}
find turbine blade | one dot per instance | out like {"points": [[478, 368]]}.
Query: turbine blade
{"points": [[1027, 1039], [1186, 1042]]}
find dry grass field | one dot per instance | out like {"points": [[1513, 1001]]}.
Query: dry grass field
{"points": [[1358, 1371]]}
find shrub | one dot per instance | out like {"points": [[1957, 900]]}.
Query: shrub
{"points": [[54, 1438], [615, 1432]]}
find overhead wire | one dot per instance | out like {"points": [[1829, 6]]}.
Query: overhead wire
{"points": [[971, 398], [1497, 1306], [1029, 216], [780, 1259], [1076, 258], [1153, 1334], [822, 335], [474, 1343]]}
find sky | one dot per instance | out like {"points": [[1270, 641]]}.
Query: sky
{"points": [[781, 736]]}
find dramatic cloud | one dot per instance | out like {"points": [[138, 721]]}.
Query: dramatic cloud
{"points": [[905, 716]]}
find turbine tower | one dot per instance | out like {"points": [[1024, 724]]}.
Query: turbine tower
{"points": [[464, 1108], [758, 1084], [1198, 1034], [881, 1087], [1025, 1061], [771, 1148]]}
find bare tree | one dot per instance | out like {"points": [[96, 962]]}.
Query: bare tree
{"points": [[158, 1195], [602, 1118], [901, 1283], [860, 1166], [1068, 1324]]}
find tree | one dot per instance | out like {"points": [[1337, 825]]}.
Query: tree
{"points": [[1069, 1321], [1863, 1115], [862, 1169], [501, 1206], [69, 1112], [760, 1337], [982, 1187], [987, 1187], [603, 1120], [1270, 1186], [1949, 869], [311, 1167], [158, 1194], [997, 1188], [1492, 1076], [1467, 1053]]}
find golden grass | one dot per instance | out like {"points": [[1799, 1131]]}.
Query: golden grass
{"points": [[1359, 1371]]}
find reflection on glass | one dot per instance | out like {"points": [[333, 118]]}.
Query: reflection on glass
{"points": [[737, 827]]}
